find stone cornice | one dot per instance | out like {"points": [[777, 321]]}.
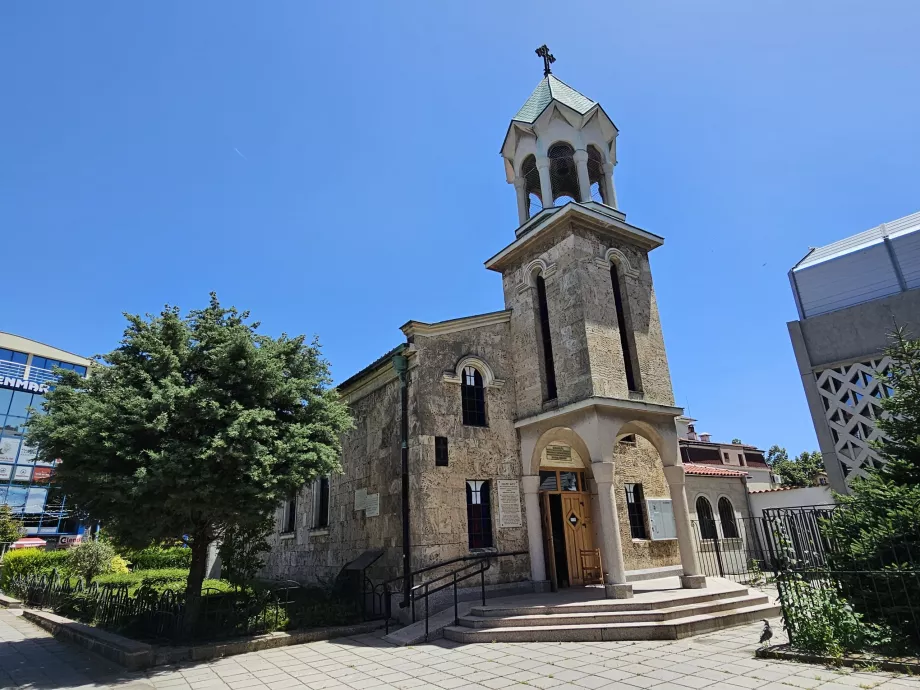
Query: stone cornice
{"points": [[610, 403], [583, 214], [413, 328]]}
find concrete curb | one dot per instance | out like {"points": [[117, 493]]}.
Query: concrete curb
{"points": [[9, 602], [910, 666], [205, 652], [135, 655], [131, 654]]}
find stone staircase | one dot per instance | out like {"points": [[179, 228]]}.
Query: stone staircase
{"points": [[665, 613]]}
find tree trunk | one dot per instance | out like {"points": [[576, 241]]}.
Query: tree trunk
{"points": [[196, 574]]}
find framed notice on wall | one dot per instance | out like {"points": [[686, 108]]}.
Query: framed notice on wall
{"points": [[509, 503], [661, 518], [372, 506]]}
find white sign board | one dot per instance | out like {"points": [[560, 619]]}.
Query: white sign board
{"points": [[360, 499], [509, 503], [23, 474], [6, 471], [372, 505], [661, 518], [8, 448]]}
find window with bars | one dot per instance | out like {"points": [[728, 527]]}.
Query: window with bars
{"points": [[727, 518], [321, 503], [440, 451], [635, 508], [478, 514], [473, 397], [549, 370]]}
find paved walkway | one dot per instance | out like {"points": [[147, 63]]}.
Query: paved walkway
{"points": [[30, 658]]}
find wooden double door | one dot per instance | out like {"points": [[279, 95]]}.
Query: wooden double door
{"points": [[568, 532]]}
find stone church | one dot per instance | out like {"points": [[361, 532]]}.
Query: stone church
{"points": [[545, 431]]}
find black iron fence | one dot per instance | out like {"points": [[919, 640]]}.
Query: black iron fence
{"points": [[739, 550], [833, 594], [159, 615]]}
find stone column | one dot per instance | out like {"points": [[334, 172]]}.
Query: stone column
{"points": [[546, 185], [521, 190], [692, 577], [611, 543], [584, 180], [531, 485], [611, 194]]}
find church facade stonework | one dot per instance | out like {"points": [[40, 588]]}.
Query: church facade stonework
{"points": [[545, 430]]}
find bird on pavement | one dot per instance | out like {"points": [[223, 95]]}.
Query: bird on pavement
{"points": [[767, 633]]}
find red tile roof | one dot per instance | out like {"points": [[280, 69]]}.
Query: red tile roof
{"points": [[711, 471]]}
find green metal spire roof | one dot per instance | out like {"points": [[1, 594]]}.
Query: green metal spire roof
{"points": [[550, 88]]}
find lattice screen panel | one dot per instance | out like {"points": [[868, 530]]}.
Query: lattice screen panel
{"points": [[851, 394]]}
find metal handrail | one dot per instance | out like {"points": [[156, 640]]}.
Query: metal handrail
{"points": [[481, 561]]}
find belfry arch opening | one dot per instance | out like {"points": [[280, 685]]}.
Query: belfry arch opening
{"points": [[563, 173]]}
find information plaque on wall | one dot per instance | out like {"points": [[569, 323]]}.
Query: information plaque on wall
{"points": [[509, 503], [360, 499], [372, 505]]}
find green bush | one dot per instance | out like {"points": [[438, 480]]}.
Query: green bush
{"points": [[158, 558], [91, 558], [27, 562]]}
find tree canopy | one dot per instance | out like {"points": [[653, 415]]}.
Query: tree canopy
{"points": [[803, 470], [192, 426]]}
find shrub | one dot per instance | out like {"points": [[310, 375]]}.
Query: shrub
{"points": [[157, 558], [152, 578], [118, 565], [91, 558], [26, 562]]}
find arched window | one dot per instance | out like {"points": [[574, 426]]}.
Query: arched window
{"points": [[532, 186], [596, 176], [563, 174], [473, 397], [727, 518], [707, 522]]}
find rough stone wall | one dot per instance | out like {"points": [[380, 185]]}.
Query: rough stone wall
{"points": [[438, 509], [640, 464], [587, 352], [370, 460]]}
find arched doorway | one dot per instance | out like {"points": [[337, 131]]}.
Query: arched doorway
{"points": [[565, 507]]}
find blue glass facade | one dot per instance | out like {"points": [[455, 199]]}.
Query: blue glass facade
{"points": [[26, 485]]}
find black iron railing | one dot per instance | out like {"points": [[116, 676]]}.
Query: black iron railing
{"points": [[159, 615], [472, 566]]}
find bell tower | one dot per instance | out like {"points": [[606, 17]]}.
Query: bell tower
{"points": [[560, 147], [590, 367]]}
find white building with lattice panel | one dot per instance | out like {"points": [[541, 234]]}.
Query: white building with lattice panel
{"points": [[850, 295]]}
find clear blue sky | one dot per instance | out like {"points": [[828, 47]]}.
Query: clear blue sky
{"points": [[334, 167]]}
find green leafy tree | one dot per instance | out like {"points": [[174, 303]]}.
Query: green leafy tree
{"points": [[802, 471], [192, 426], [775, 455], [876, 527], [241, 552], [10, 527]]}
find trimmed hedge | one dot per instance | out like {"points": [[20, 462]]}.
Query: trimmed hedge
{"points": [[27, 562], [158, 558], [160, 580]]}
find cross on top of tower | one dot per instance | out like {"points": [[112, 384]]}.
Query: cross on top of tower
{"points": [[548, 59]]}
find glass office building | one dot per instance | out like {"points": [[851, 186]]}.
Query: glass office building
{"points": [[26, 485]]}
